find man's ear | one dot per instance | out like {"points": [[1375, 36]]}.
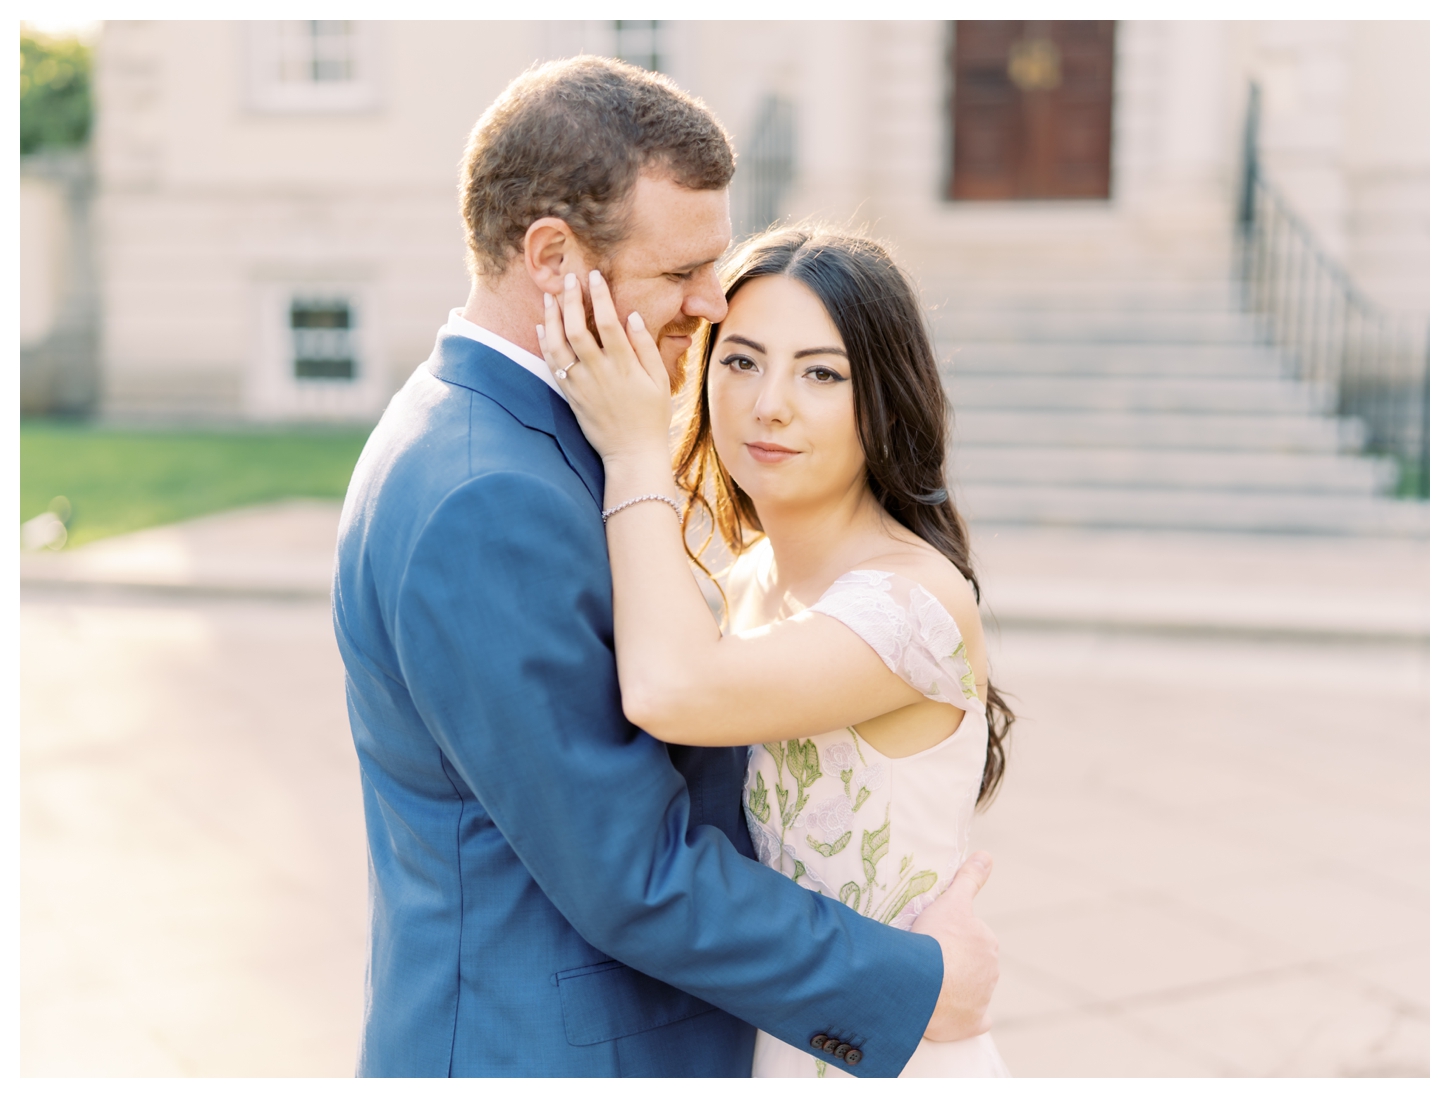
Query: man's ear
{"points": [[549, 246]]}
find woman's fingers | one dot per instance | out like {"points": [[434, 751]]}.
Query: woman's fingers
{"points": [[648, 351], [630, 348], [565, 338], [552, 341], [576, 326], [606, 322]]}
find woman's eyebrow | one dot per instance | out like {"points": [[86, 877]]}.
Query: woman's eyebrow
{"points": [[759, 348], [811, 352]]}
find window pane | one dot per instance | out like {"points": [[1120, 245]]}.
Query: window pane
{"points": [[332, 50], [316, 51], [322, 345], [638, 41]]}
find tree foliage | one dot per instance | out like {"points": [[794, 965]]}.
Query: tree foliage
{"points": [[55, 92]]}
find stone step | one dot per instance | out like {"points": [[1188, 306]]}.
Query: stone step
{"points": [[1123, 359], [1018, 242], [1250, 471], [1166, 509], [1095, 325], [1212, 295], [1192, 395], [1284, 434], [1127, 389]]}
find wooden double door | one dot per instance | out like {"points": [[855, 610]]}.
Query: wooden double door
{"points": [[1032, 109]]}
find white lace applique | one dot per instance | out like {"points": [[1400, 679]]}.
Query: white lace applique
{"points": [[862, 600], [908, 628]]}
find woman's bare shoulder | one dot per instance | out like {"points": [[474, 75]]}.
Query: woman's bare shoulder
{"points": [[742, 577]]}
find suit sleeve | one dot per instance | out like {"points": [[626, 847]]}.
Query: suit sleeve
{"points": [[505, 636]]}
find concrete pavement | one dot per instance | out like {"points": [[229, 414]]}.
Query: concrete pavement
{"points": [[1212, 858], [193, 873], [1212, 844]]}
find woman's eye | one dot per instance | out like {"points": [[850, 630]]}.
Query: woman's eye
{"points": [[823, 373], [738, 362]]}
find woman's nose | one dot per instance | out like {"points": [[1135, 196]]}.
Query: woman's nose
{"points": [[772, 402]]}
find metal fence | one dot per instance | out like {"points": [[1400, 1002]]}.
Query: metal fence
{"points": [[768, 167], [1370, 365]]}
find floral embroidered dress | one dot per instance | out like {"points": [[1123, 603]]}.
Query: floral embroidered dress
{"points": [[883, 835]]}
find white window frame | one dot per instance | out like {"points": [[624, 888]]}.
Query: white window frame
{"points": [[267, 92], [663, 35], [567, 37], [274, 392]]}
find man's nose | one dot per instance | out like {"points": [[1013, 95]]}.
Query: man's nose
{"points": [[706, 299]]}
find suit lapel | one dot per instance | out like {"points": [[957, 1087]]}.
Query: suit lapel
{"points": [[469, 363], [577, 452]]}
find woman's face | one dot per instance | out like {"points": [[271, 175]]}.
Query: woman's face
{"points": [[781, 408]]}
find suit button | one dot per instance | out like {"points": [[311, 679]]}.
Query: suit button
{"points": [[830, 1046], [853, 1057], [818, 1040], [843, 1050]]}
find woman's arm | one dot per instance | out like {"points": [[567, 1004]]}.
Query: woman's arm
{"points": [[680, 680]]}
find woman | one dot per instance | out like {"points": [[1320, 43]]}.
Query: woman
{"points": [[854, 659]]}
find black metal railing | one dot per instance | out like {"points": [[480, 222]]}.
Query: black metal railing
{"points": [[1368, 364]]}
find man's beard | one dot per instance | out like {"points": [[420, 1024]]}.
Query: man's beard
{"points": [[690, 328]]}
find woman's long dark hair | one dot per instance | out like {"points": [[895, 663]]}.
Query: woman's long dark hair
{"points": [[902, 413]]}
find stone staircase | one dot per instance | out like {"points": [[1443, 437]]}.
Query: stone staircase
{"points": [[1145, 403]]}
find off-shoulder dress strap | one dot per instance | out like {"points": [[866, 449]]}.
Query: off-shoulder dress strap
{"points": [[909, 629]]}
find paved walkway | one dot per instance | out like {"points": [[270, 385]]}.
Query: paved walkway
{"points": [[1212, 845]]}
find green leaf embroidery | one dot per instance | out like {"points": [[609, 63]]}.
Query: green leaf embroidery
{"points": [[922, 882], [873, 848], [781, 796], [804, 761], [901, 883], [846, 780], [851, 894], [820, 1069], [833, 849], [759, 804], [969, 680], [788, 818], [860, 799], [777, 752], [851, 728], [798, 872]]}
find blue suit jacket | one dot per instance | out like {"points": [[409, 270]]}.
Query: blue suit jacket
{"points": [[553, 891]]}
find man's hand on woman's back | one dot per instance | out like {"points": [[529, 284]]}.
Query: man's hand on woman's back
{"points": [[969, 955]]}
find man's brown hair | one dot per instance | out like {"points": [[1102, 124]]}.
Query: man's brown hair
{"points": [[568, 139]]}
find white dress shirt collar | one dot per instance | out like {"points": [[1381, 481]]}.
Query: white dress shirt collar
{"points": [[532, 363]]}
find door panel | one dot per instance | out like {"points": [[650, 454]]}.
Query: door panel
{"points": [[1032, 109]]}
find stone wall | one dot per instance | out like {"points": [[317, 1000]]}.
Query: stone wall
{"points": [[211, 204], [58, 306]]}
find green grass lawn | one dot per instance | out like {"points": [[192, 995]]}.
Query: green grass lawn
{"points": [[126, 479]]}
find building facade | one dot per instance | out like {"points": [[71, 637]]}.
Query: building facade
{"points": [[275, 223]]}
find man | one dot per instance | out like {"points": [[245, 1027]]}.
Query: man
{"points": [[554, 892]]}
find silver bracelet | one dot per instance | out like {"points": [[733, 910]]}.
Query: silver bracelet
{"points": [[679, 512]]}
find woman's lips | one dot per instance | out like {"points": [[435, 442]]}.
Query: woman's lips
{"points": [[769, 452]]}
